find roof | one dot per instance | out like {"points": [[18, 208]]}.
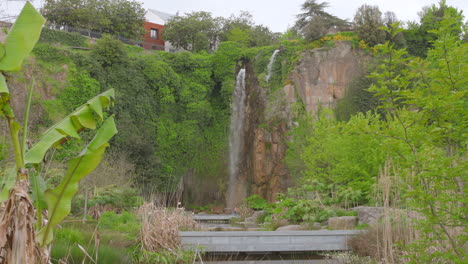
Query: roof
{"points": [[157, 17]]}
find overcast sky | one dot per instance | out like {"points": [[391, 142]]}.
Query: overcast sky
{"points": [[278, 15]]}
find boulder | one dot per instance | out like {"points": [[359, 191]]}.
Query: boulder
{"points": [[342, 222], [253, 219], [291, 228], [368, 214], [250, 220], [258, 213], [316, 226]]}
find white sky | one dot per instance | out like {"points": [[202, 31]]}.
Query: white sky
{"points": [[276, 14]]}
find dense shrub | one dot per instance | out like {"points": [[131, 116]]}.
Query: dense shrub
{"points": [[256, 202], [81, 88], [62, 37], [49, 53], [119, 199]]}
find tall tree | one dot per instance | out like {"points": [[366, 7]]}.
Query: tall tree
{"points": [[314, 23], [419, 36], [194, 31], [256, 35], [367, 23], [119, 17]]}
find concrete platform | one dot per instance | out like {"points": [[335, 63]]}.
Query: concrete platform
{"points": [[268, 241], [214, 218]]}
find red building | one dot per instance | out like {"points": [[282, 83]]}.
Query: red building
{"points": [[154, 27], [153, 37]]}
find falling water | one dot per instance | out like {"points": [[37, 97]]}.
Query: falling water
{"points": [[236, 138], [270, 65]]}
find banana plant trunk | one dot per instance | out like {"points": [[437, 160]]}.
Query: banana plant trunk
{"points": [[17, 240]]}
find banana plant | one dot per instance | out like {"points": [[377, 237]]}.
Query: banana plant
{"points": [[22, 238]]}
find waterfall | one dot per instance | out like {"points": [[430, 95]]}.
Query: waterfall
{"points": [[270, 65], [236, 138]]}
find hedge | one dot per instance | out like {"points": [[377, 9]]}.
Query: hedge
{"points": [[62, 37]]}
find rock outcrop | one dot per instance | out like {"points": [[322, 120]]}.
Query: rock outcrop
{"points": [[342, 222], [368, 214], [321, 76]]}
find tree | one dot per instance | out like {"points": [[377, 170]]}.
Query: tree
{"points": [[262, 36], [126, 17], [195, 31], [419, 37], [314, 23], [367, 23], [120, 17], [424, 129], [239, 35], [257, 35], [390, 20], [22, 238]]}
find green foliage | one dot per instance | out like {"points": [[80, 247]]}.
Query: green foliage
{"points": [[114, 244], [224, 65], [334, 159], [239, 35], [425, 134], [59, 199], [81, 87], [109, 51], [419, 37], [3, 149], [120, 199], [295, 207], [62, 37], [170, 106], [286, 60], [357, 98], [143, 256], [71, 235], [367, 24], [124, 222], [256, 202], [195, 31], [49, 53], [65, 250], [315, 22]]}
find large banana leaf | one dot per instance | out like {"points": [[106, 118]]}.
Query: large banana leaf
{"points": [[59, 199], [21, 38], [83, 117]]}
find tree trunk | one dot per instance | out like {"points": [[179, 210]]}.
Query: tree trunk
{"points": [[17, 239]]}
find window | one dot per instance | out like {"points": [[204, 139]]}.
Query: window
{"points": [[154, 33], [154, 47]]}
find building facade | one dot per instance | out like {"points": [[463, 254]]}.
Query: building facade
{"points": [[153, 36], [154, 27]]}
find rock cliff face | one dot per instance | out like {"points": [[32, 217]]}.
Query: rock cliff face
{"points": [[321, 77]]}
